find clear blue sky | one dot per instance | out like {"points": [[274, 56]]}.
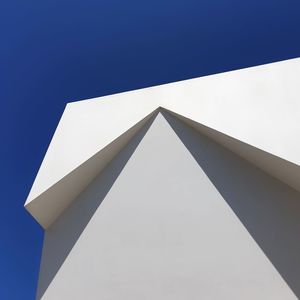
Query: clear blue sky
{"points": [[54, 52]]}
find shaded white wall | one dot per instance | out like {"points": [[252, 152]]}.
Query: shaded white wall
{"points": [[175, 217]]}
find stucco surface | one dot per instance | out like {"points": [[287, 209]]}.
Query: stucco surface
{"points": [[175, 216]]}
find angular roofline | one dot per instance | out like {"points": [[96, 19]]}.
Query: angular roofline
{"points": [[254, 112]]}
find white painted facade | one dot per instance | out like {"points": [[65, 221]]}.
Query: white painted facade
{"points": [[185, 190]]}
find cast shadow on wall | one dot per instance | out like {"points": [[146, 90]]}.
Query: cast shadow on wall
{"points": [[268, 208], [63, 234]]}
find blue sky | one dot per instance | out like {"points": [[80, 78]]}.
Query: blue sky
{"points": [[54, 52]]}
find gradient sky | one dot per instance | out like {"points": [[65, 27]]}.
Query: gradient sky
{"points": [[54, 52]]}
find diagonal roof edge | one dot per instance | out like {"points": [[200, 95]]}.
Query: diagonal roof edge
{"points": [[50, 204], [283, 170]]}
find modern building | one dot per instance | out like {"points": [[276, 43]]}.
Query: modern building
{"points": [[189, 190]]}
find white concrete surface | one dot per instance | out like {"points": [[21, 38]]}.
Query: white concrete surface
{"points": [[175, 216], [258, 106]]}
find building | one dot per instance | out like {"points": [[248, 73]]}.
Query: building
{"points": [[188, 190]]}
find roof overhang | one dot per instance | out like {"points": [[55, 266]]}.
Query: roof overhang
{"points": [[254, 112]]}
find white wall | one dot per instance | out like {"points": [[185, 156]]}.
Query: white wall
{"points": [[175, 217]]}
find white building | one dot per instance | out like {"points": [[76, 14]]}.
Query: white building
{"points": [[189, 190]]}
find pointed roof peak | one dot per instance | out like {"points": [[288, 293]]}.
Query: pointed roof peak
{"points": [[257, 108]]}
